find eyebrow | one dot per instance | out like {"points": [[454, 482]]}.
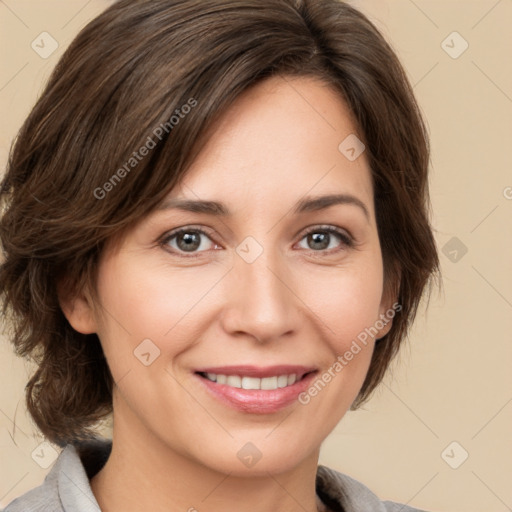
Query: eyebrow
{"points": [[307, 204]]}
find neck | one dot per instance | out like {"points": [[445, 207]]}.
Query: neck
{"points": [[144, 473]]}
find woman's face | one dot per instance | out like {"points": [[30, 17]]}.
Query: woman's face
{"points": [[248, 293]]}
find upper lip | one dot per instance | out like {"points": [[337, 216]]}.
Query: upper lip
{"points": [[259, 371]]}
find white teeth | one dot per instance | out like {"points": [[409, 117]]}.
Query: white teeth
{"points": [[282, 381], [251, 383], [266, 383], [269, 383], [234, 381]]}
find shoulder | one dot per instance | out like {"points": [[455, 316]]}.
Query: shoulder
{"points": [[66, 487], [341, 491], [42, 498]]}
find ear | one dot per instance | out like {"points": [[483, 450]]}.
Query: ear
{"points": [[389, 306], [77, 308]]}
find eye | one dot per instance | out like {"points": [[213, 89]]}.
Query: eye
{"points": [[319, 238], [187, 240]]}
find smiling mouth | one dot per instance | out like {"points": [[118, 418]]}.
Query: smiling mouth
{"points": [[256, 389], [246, 382]]}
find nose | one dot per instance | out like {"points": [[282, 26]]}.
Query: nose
{"points": [[262, 299]]}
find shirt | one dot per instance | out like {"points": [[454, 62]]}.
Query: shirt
{"points": [[66, 487]]}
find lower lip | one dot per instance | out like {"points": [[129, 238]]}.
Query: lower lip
{"points": [[257, 401]]}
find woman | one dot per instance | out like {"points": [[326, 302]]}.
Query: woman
{"points": [[216, 228]]}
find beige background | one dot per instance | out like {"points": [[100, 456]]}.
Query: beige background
{"points": [[453, 380]]}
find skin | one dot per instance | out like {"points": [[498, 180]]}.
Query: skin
{"points": [[175, 447]]}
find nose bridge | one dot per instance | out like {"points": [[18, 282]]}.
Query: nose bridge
{"points": [[261, 300]]}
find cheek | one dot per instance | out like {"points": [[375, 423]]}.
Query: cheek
{"points": [[152, 302], [349, 308], [348, 302]]}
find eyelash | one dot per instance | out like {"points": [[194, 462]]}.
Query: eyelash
{"points": [[346, 241]]}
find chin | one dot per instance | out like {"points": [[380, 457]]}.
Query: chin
{"points": [[259, 455]]}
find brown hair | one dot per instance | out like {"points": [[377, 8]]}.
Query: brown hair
{"points": [[128, 72]]}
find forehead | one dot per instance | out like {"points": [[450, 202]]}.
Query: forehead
{"points": [[278, 141]]}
